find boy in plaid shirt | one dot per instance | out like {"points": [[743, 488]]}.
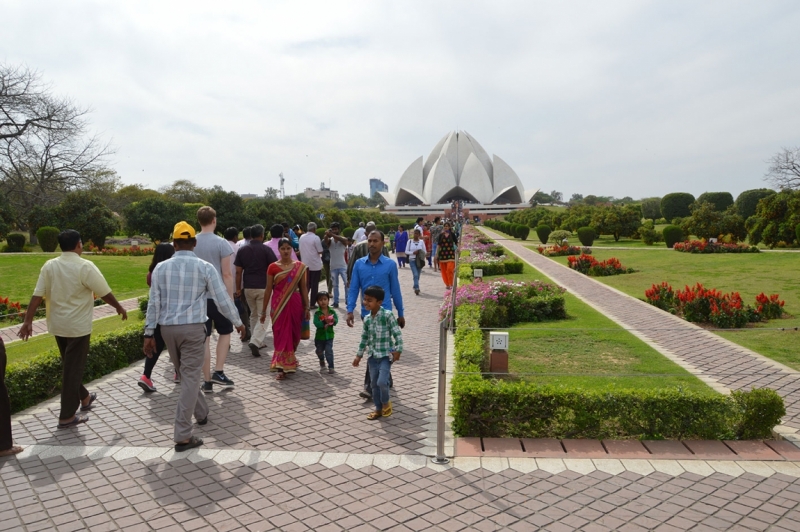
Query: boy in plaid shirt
{"points": [[382, 341]]}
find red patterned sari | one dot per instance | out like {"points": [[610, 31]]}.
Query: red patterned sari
{"points": [[286, 314]]}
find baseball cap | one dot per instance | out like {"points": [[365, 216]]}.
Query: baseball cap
{"points": [[183, 231]]}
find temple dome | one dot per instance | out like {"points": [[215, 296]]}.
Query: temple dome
{"points": [[458, 168]]}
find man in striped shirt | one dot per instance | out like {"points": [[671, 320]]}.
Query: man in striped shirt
{"points": [[178, 293]]}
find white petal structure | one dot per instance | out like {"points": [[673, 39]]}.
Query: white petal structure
{"points": [[458, 168]]}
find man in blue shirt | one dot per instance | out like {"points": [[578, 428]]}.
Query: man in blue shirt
{"points": [[374, 270]]}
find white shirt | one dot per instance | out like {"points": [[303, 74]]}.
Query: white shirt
{"points": [[412, 246], [360, 235], [310, 248]]}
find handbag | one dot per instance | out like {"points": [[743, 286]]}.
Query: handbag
{"points": [[305, 330]]}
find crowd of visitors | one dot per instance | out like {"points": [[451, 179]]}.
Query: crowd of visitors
{"points": [[201, 282]]}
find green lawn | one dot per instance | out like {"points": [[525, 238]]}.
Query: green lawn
{"points": [[748, 274], [20, 351], [127, 276], [592, 349]]}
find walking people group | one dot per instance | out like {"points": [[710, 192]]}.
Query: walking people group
{"points": [[196, 283]]}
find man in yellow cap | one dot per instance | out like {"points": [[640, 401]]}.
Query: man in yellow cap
{"points": [[178, 293]]}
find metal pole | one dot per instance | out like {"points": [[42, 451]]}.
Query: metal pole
{"points": [[441, 408]]}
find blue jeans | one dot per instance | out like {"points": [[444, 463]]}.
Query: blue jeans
{"points": [[379, 373], [433, 252], [415, 273], [335, 274], [324, 351]]}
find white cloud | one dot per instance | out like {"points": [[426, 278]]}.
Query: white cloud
{"points": [[612, 98]]}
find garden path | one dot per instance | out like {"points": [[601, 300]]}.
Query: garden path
{"points": [[712, 358], [300, 455], [9, 334]]}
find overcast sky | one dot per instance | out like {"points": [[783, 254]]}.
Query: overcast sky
{"points": [[622, 98]]}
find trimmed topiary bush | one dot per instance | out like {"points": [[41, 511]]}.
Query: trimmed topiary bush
{"points": [[559, 235], [720, 200], [543, 232], [672, 235], [676, 205], [16, 242], [523, 232], [347, 232], [48, 238], [586, 235], [321, 231], [747, 201]]}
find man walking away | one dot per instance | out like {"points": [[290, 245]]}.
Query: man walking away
{"points": [[310, 250], [231, 234], [360, 234], [337, 245], [68, 285], [216, 252], [179, 293], [251, 263]]}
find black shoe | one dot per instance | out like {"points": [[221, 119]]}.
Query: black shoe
{"points": [[254, 349], [335, 305], [191, 444], [365, 394], [219, 377], [202, 421], [208, 387]]}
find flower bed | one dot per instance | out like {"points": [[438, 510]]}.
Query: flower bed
{"points": [[588, 265], [562, 251], [503, 302], [699, 304], [10, 311], [477, 251], [701, 246], [122, 252]]}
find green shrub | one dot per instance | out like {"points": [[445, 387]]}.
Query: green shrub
{"points": [[797, 232], [347, 232], [543, 232], [513, 266], [672, 235], [321, 232], [747, 201], [757, 411], [524, 231], [558, 236], [16, 242], [586, 235], [676, 205], [720, 200], [48, 238], [648, 233], [39, 378]]}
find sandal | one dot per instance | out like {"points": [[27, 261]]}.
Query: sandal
{"points": [[12, 451], [374, 415], [193, 442], [88, 406], [77, 420], [280, 376]]}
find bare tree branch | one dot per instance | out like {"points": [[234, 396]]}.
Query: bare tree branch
{"points": [[784, 169]]}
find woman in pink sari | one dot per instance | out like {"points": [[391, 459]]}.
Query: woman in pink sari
{"points": [[286, 284]]}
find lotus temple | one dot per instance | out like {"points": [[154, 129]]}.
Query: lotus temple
{"points": [[458, 169]]}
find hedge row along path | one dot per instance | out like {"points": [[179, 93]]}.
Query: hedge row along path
{"points": [[300, 455], [9, 334], [717, 361]]}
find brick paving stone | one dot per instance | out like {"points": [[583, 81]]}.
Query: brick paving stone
{"points": [[543, 448], [666, 449], [584, 449], [625, 449], [508, 447], [753, 450], [710, 450]]}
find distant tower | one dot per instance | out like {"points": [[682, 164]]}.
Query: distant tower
{"points": [[376, 185], [283, 193]]}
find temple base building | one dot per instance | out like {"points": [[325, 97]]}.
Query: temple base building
{"points": [[458, 170]]}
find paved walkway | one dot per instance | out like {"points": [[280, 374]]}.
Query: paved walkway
{"points": [[710, 357], [9, 334], [300, 455]]}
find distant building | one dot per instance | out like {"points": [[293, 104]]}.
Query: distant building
{"points": [[323, 192], [376, 185], [248, 196]]}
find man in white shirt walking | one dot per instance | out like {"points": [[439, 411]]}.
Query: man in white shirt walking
{"points": [[310, 255], [360, 234]]}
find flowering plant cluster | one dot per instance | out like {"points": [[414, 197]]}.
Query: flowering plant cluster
{"points": [[10, 310], [708, 305], [503, 302], [588, 265], [487, 258], [122, 252], [702, 246], [562, 250]]}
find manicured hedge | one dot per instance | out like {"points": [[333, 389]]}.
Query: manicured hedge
{"points": [[39, 378], [48, 238], [672, 235], [676, 205], [505, 408], [16, 242], [586, 235], [543, 232]]}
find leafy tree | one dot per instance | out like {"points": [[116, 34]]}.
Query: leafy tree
{"points": [[128, 194], [85, 212], [676, 205], [720, 200], [271, 211], [618, 221], [185, 191], [557, 196], [334, 215], [776, 218], [41, 216], [8, 217], [707, 222], [576, 198], [230, 209], [355, 200], [541, 197], [578, 216], [272, 193], [154, 217], [651, 208], [747, 201], [784, 169]]}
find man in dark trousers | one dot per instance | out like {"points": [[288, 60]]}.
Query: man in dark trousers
{"points": [[251, 264], [7, 447]]}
